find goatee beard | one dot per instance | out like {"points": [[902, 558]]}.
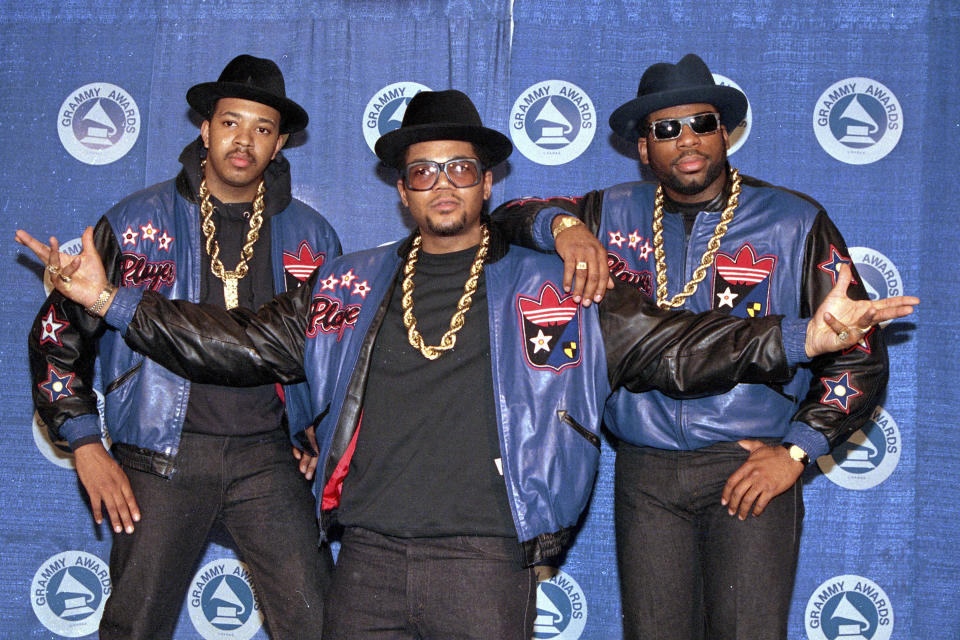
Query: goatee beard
{"points": [[673, 183]]}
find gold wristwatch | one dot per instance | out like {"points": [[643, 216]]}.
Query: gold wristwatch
{"points": [[565, 222], [796, 452]]}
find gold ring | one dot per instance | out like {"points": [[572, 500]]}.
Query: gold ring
{"points": [[843, 335], [53, 270], [581, 265], [64, 278]]}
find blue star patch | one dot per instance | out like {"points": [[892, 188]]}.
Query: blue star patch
{"points": [[832, 266], [57, 384], [839, 392]]}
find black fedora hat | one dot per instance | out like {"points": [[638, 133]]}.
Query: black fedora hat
{"points": [[442, 115], [250, 78], [666, 85]]}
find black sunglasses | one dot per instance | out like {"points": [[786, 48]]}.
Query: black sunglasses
{"points": [[670, 128]]}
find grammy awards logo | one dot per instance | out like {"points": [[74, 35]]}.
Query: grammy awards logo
{"points": [[561, 609], [739, 134], [868, 456], [384, 111], [68, 593], [879, 274], [552, 122], [858, 120], [223, 603], [98, 123], [849, 607]]}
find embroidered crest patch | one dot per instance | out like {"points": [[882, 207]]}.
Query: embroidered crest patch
{"points": [[550, 326]]}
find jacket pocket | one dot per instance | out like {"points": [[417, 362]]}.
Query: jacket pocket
{"points": [[592, 438], [118, 382]]}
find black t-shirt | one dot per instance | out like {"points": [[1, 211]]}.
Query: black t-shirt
{"points": [[427, 454], [214, 409]]}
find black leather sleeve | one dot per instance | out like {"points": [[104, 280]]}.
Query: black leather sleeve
{"points": [[209, 344], [515, 218], [684, 354], [74, 349], [866, 365]]}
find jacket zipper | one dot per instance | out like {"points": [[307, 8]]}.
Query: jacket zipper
{"points": [[592, 438]]}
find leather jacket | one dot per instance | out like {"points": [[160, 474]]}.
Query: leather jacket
{"points": [[548, 410], [152, 240], [779, 255]]}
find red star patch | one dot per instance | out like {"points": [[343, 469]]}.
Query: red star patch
{"points": [[129, 237], [51, 327]]}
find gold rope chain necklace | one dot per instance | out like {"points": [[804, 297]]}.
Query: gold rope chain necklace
{"points": [[449, 338], [705, 260], [229, 278]]}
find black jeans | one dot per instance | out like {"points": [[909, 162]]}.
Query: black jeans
{"points": [[451, 588], [252, 485], [688, 569]]}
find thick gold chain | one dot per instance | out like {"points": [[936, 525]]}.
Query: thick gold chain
{"points": [[705, 260], [229, 278], [449, 338]]}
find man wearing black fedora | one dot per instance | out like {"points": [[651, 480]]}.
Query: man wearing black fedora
{"points": [[458, 391], [226, 231], [708, 493]]}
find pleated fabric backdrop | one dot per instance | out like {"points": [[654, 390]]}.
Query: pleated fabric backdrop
{"points": [[853, 102]]}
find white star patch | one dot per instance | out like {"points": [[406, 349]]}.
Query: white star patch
{"points": [[727, 298], [129, 237], [165, 241], [616, 238], [149, 233], [633, 240], [347, 278], [541, 342], [51, 328], [330, 283], [645, 250], [361, 289]]}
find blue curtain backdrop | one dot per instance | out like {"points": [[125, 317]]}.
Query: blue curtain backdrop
{"points": [[883, 533]]}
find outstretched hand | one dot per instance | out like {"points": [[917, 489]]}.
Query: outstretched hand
{"points": [[840, 322], [80, 278]]}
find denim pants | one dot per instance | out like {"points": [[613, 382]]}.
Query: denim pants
{"points": [[688, 569], [252, 486], [449, 588]]}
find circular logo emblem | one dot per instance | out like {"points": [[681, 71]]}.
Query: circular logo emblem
{"points": [[68, 593], [58, 451], [858, 120], [552, 122], [98, 123], [739, 135], [879, 274], [384, 112], [868, 457], [222, 601], [849, 608], [561, 609]]}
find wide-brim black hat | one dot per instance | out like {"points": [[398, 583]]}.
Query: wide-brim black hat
{"points": [[250, 78], [442, 115], [666, 85]]}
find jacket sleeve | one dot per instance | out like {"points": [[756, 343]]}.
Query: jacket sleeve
{"points": [[209, 344], [846, 386], [690, 355], [527, 221], [62, 347]]}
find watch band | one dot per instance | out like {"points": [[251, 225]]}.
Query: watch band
{"points": [[97, 306], [565, 222]]}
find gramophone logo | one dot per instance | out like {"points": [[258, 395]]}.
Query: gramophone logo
{"points": [[741, 132], [98, 123], [849, 608], [68, 593], [858, 120], [561, 609], [552, 122], [384, 111], [223, 603], [868, 456]]}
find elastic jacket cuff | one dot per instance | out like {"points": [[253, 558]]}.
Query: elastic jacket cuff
{"points": [[808, 439], [543, 228], [80, 428], [121, 310], [794, 332]]}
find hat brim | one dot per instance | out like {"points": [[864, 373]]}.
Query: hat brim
{"points": [[391, 146], [627, 120], [203, 97]]}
